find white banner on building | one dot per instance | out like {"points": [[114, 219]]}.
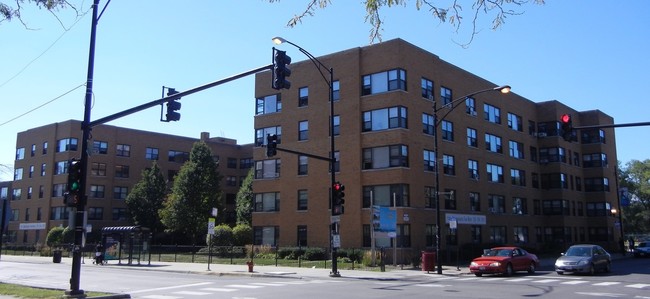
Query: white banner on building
{"points": [[31, 226], [472, 219]]}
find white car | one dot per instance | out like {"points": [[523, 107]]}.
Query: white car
{"points": [[642, 249]]}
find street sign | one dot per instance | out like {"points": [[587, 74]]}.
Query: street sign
{"points": [[211, 226], [335, 219], [336, 241]]}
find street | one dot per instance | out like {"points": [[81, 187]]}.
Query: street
{"points": [[629, 279]]}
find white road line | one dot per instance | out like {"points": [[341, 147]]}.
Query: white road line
{"points": [[468, 278], [269, 284], [638, 285], [192, 293], [170, 287], [595, 294], [518, 279], [546, 280], [573, 282], [433, 285], [243, 286], [218, 289], [160, 297], [606, 283]]}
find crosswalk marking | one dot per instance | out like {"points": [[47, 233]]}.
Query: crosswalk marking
{"points": [[547, 280], [218, 289], [159, 297], [518, 279], [192, 293], [606, 283], [266, 284], [638, 285], [243, 286], [573, 282]]}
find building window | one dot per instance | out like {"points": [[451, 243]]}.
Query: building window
{"points": [[428, 126], [303, 130], [496, 204], [336, 90], [429, 160], [519, 206], [429, 197], [383, 119], [61, 168], [498, 235], [98, 169], [552, 154], [472, 169], [452, 236], [41, 191], [231, 180], [382, 195], [520, 234], [95, 213], [301, 234], [596, 184], [266, 235], [475, 201], [20, 153], [493, 143], [303, 96], [430, 235], [120, 192], [555, 207], [302, 165], [516, 149], [403, 235], [470, 106], [337, 125], [18, 174], [450, 199], [66, 144], [268, 104], [427, 89], [245, 163], [43, 166], [151, 153], [121, 171], [445, 95], [261, 135], [447, 130], [100, 147], [97, 191], [491, 114], [230, 163], [119, 214], [448, 165], [45, 148], [472, 139], [515, 122], [518, 177], [59, 213], [123, 150], [385, 157], [39, 214], [384, 81], [494, 173], [476, 234], [598, 209], [593, 136], [29, 192], [594, 160], [58, 190], [303, 200], [31, 171], [178, 156], [554, 181], [267, 169]]}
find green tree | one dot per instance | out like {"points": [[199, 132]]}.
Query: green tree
{"points": [[244, 201], [11, 11], [195, 192], [636, 178], [441, 10], [54, 236], [242, 235], [148, 195]]}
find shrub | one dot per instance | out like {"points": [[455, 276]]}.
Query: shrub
{"points": [[242, 234], [315, 254]]}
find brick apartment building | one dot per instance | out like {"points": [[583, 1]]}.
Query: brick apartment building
{"points": [[507, 176], [118, 157]]}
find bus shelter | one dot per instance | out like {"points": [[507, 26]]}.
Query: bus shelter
{"points": [[129, 243]]}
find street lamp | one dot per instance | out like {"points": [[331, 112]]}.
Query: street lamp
{"points": [[330, 83], [436, 122]]}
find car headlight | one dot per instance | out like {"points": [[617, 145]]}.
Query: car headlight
{"points": [[473, 264], [495, 264], [583, 262]]}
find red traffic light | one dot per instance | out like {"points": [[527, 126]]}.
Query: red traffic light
{"points": [[566, 118], [338, 187]]}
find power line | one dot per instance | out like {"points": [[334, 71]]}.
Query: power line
{"points": [[40, 106]]}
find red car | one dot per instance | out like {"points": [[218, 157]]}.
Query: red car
{"points": [[504, 260]]}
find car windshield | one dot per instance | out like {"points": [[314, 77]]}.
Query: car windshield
{"points": [[498, 252], [578, 251]]}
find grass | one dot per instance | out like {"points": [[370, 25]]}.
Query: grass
{"points": [[20, 291]]}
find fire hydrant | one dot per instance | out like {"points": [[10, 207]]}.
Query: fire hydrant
{"points": [[250, 266]]}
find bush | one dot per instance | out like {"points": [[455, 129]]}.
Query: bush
{"points": [[223, 236], [54, 236], [315, 254], [242, 234]]}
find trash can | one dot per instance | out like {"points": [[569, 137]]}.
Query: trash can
{"points": [[428, 261], [56, 256]]}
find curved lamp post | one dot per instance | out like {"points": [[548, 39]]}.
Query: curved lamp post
{"points": [[320, 66], [436, 122]]}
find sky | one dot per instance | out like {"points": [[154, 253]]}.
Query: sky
{"points": [[588, 54]]}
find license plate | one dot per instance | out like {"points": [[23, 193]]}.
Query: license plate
{"points": [[481, 268]]}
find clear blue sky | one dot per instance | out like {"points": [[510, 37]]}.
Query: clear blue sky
{"points": [[589, 54]]}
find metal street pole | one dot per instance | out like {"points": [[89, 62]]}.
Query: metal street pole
{"points": [[436, 123], [334, 227]]}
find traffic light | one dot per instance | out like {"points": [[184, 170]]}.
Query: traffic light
{"points": [[338, 198], [280, 70], [73, 192], [173, 106], [567, 127], [271, 145]]}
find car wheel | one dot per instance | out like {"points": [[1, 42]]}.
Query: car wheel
{"points": [[608, 267], [560, 272], [478, 274], [531, 268], [509, 270], [591, 270]]}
